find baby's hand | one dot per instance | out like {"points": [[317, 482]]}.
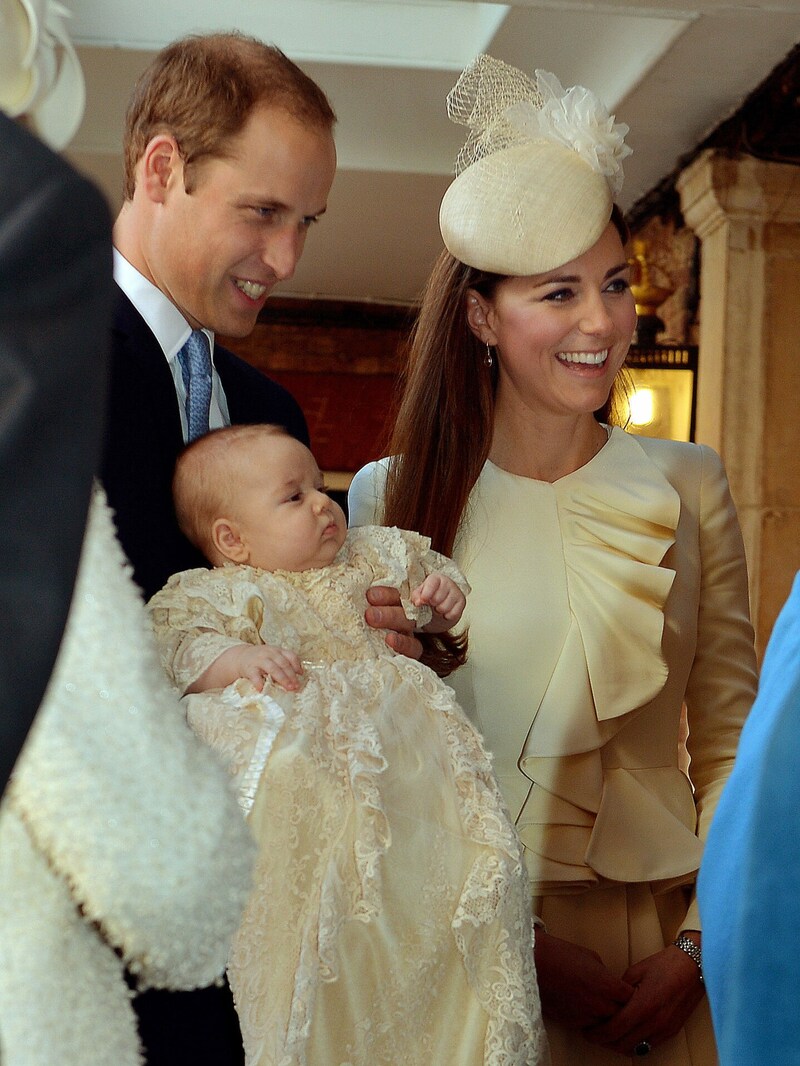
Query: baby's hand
{"points": [[444, 597], [253, 662], [262, 661]]}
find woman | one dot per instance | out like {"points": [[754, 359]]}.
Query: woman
{"points": [[608, 572]]}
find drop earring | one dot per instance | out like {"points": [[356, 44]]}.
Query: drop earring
{"points": [[489, 360]]}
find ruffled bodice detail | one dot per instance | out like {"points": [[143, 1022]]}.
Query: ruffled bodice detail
{"points": [[615, 534], [590, 803]]}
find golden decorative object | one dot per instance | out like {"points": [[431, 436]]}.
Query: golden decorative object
{"points": [[648, 297]]}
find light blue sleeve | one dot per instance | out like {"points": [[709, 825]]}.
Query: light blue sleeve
{"points": [[365, 498], [747, 888]]}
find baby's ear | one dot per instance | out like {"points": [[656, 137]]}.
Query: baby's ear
{"points": [[227, 540]]}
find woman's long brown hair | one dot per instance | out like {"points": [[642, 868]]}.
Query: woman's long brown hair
{"points": [[443, 429]]}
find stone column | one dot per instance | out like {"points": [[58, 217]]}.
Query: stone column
{"points": [[746, 214]]}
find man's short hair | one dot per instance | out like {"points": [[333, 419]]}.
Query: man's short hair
{"points": [[202, 90]]}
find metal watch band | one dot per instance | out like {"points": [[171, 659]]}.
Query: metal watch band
{"points": [[686, 944]]}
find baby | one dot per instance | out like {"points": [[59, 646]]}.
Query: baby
{"points": [[390, 918]]}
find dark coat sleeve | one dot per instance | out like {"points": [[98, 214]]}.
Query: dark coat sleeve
{"points": [[55, 309]]}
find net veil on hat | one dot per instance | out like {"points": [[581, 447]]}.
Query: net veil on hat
{"points": [[537, 176]]}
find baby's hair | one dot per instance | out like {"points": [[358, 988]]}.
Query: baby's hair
{"points": [[205, 479]]}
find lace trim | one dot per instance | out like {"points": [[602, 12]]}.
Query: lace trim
{"points": [[272, 718]]}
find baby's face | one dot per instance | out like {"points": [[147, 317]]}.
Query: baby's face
{"points": [[284, 517]]}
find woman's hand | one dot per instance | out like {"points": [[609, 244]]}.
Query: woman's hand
{"points": [[667, 988], [385, 612], [576, 988]]}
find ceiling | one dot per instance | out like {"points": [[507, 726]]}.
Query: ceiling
{"points": [[671, 69]]}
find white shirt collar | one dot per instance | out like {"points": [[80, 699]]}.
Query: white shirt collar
{"points": [[168, 325]]}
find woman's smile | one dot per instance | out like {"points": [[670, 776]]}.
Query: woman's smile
{"points": [[584, 358]]}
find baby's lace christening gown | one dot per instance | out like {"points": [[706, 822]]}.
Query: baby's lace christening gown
{"points": [[390, 918]]}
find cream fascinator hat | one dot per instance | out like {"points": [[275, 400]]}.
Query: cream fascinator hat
{"points": [[40, 75], [538, 174]]}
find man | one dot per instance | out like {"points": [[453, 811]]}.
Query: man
{"points": [[229, 158]]}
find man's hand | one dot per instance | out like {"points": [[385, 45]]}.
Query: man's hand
{"points": [[385, 612]]}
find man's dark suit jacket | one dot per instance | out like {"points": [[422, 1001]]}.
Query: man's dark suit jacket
{"points": [[143, 439], [55, 311]]}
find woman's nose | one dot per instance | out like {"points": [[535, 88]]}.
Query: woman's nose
{"points": [[596, 319]]}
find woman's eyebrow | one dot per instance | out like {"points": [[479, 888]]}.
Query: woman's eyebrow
{"points": [[574, 279]]}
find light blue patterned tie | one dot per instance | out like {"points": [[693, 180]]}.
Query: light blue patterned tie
{"points": [[195, 360]]}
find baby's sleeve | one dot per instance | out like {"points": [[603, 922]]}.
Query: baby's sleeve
{"points": [[197, 616], [403, 559]]}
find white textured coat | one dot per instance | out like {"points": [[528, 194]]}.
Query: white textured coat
{"points": [[121, 843]]}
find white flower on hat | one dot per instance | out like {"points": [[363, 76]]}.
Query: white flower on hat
{"points": [[579, 120]]}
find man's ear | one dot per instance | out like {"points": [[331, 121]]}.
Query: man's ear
{"points": [[160, 168], [226, 538], [479, 314]]}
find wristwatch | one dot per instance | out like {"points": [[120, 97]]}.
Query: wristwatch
{"points": [[685, 943]]}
